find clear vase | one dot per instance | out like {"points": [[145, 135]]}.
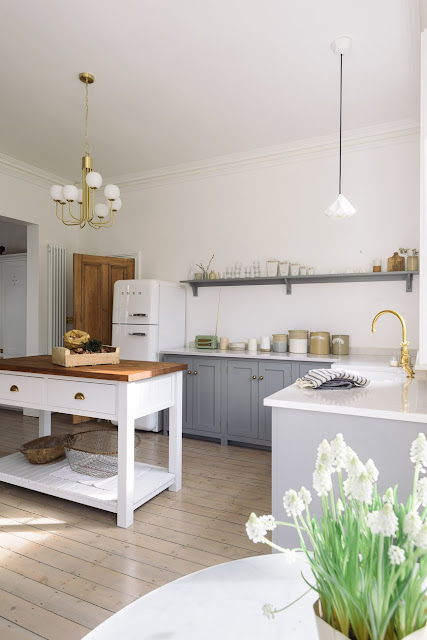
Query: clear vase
{"points": [[326, 632]]}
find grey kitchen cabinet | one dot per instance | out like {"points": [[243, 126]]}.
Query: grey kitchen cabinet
{"points": [[223, 398], [201, 402]]}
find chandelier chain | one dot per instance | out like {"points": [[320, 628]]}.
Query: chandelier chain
{"points": [[87, 120]]}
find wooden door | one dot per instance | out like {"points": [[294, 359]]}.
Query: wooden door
{"points": [[94, 278]]}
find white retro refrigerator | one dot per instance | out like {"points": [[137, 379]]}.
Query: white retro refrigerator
{"points": [[148, 317]]}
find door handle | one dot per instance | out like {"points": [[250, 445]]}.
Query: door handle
{"points": [[261, 377], [253, 377], [79, 396], [137, 334], [14, 388], [195, 373], [138, 315], [189, 373]]}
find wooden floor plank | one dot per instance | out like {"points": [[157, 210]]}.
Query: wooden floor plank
{"points": [[65, 567]]}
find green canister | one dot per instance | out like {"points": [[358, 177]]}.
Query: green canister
{"points": [[340, 345], [320, 343]]}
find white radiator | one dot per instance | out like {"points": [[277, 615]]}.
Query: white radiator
{"points": [[56, 296]]}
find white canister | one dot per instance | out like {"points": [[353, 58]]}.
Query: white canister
{"points": [[223, 344], [294, 269], [298, 341], [265, 343], [252, 344], [284, 268], [272, 266]]}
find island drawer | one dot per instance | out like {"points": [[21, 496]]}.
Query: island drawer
{"points": [[23, 389], [99, 397]]}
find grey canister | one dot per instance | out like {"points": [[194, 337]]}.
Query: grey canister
{"points": [[340, 345], [280, 342]]}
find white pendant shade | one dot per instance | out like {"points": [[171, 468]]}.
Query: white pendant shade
{"points": [[93, 180], [70, 192], [340, 209]]}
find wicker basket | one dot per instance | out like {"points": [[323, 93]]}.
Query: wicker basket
{"points": [[94, 453], [46, 449]]}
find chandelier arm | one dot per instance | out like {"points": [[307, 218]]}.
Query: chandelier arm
{"points": [[103, 225], [71, 213], [91, 208]]}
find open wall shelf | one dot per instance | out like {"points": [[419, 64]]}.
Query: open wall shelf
{"points": [[288, 281]]}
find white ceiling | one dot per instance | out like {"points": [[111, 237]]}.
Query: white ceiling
{"points": [[184, 80]]}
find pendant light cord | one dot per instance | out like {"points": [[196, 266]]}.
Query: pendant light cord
{"points": [[339, 185]]}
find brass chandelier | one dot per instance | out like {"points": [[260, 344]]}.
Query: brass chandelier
{"points": [[98, 216]]}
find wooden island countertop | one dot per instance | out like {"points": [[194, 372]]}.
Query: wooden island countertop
{"points": [[126, 371]]}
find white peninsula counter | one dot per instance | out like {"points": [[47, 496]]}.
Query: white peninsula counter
{"points": [[379, 421]]}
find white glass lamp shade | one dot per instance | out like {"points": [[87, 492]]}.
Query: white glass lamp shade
{"points": [[56, 192], [111, 192], [70, 192], [80, 196], [117, 204], [101, 210], [93, 180], [340, 209]]}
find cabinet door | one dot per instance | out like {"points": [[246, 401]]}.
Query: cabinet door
{"points": [[206, 395], [242, 398], [187, 389], [273, 376]]}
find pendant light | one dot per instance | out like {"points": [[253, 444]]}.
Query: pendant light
{"points": [[341, 208]]}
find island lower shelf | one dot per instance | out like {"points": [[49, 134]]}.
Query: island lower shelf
{"points": [[16, 470]]}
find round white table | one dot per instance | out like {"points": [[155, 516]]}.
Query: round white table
{"points": [[220, 603]]}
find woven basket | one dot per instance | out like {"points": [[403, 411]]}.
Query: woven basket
{"points": [[94, 453], [46, 449]]}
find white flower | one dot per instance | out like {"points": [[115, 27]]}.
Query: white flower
{"points": [[293, 503], [372, 470], [269, 611], [322, 482], [290, 555], [339, 452], [418, 453], [305, 495], [396, 554], [422, 491], [421, 537], [340, 506], [257, 527], [389, 496], [354, 465], [359, 487], [324, 456], [383, 522], [412, 524]]}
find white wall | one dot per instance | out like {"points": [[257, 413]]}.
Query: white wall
{"points": [[277, 211], [13, 237], [29, 202]]}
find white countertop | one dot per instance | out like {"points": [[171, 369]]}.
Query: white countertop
{"points": [[403, 399], [356, 362]]}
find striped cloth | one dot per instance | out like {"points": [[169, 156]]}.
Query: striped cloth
{"points": [[331, 379]]}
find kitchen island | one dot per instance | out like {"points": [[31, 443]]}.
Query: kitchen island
{"points": [[378, 421], [121, 392]]}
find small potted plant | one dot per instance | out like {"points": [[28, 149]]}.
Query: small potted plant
{"points": [[367, 553]]}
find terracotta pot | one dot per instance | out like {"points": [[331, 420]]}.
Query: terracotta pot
{"points": [[326, 632]]}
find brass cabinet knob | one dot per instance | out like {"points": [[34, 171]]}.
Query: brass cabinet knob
{"points": [[261, 377], [14, 388], [253, 377], [79, 396], [189, 373], [195, 373]]}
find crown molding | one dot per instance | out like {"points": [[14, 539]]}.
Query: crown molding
{"points": [[269, 156], [29, 173]]}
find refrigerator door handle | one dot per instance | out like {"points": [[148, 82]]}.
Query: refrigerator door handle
{"points": [[137, 334], [138, 315]]}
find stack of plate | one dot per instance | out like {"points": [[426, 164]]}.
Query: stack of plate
{"points": [[237, 346]]}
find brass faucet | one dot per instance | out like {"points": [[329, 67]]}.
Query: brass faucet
{"points": [[405, 358]]}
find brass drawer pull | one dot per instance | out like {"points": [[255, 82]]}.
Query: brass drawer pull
{"points": [[14, 388], [189, 372], [261, 377], [79, 396], [253, 377], [195, 373]]}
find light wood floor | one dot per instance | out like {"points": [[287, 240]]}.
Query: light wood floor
{"points": [[66, 567]]}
